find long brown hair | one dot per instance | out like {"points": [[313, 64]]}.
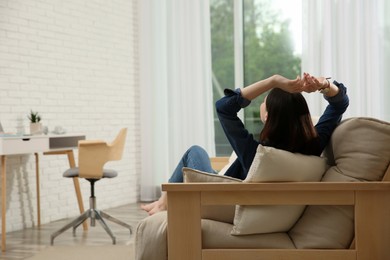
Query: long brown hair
{"points": [[288, 125]]}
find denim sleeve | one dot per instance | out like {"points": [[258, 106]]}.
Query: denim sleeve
{"points": [[242, 142], [332, 114]]}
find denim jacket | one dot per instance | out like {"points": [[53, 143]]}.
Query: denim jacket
{"points": [[243, 142]]}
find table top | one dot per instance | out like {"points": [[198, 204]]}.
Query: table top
{"points": [[25, 136], [23, 144]]}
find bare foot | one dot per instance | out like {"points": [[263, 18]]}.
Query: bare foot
{"points": [[157, 206], [148, 207]]}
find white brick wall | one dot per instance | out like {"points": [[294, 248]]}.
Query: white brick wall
{"points": [[75, 62]]}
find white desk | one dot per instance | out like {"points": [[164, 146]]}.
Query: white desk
{"points": [[47, 144]]}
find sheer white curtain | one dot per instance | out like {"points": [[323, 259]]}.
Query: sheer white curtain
{"points": [[349, 40], [176, 87]]}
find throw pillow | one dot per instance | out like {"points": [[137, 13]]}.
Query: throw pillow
{"points": [[275, 165], [192, 175], [214, 212]]}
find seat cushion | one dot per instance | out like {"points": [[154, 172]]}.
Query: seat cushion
{"points": [[275, 165], [151, 238], [74, 172], [217, 235]]}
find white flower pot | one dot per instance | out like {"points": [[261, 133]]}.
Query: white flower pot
{"points": [[35, 128]]}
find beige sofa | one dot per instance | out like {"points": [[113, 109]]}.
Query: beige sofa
{"points": [[347, 216]]}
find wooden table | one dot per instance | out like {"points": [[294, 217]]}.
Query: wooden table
{"points": [[48, 145]]}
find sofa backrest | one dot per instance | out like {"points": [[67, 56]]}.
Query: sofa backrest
{"points": [[359, 150]]}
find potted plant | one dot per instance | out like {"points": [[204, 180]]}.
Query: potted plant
{"points": [[35, 123]]}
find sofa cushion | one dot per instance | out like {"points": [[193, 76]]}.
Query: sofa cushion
{"points": [[360, 150], [324, 227], [151, 238], [223, 213], [275, 165], [192, 175], [217, 235]]}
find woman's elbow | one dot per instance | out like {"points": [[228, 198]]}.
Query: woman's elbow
{"points": [[346, 102], [218, 105]]}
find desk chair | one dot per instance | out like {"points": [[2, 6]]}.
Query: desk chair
{"points": [[93, 154]]}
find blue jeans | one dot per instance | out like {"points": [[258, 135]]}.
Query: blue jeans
{"points": [[196, 158]]}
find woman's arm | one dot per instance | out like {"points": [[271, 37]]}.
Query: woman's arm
{"points": [[336, 95], [276, 81], [242, 142], [332, 115]]}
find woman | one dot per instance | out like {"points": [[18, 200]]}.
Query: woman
{"points": [[287, 124]]}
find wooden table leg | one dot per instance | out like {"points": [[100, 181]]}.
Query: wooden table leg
{"points": [[38, 189], [76, 184], [3, 202]]}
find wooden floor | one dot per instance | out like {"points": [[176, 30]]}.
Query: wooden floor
{"points": [[25, 243]]}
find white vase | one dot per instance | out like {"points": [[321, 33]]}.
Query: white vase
{"points": [[35, 128]]}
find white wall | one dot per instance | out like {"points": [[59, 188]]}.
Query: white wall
{"points": [[75, 62]]}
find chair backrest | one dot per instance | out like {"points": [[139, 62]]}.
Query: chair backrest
{"points": [[117, 146], [94, 154]]}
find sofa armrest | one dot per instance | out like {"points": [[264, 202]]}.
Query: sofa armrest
{"points": [[277, 186], [297, 193]]}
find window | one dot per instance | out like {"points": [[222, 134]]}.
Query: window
{"points": [[222, 49], [271, 35]]}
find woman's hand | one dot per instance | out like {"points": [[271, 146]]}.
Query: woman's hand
{"points": [[312, 84], [288, 85]]}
